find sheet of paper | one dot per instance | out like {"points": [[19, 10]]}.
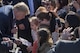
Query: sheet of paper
{"points": [[25, 42]]}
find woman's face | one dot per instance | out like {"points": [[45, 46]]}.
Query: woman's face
{"points": [[33, 26]]}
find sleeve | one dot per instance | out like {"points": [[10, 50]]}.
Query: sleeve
{"points": [[78, 11], [22, 46], [58, 47], [72, 8], [5, 25], [35, 47]]}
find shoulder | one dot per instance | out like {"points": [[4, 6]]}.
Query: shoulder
{"points": [[66, 43], [43, 47], [6, 9]]}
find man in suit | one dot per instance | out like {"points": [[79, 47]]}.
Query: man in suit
{"points": [[7, 22]]}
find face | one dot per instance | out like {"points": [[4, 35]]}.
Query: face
{"points": [[44, 21], [19, 14], [33, 26]]}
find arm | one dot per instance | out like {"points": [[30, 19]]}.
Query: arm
{"points": [[77, 7]]}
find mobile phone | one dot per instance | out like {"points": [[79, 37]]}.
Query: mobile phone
{"points": [[58, 22]]}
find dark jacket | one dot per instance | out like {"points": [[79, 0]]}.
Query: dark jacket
{"points": [[6, 17], [65, 46], [5, 27], [26, 33]]}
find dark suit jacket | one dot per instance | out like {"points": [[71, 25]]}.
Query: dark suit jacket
{"points": [[5, 28], [6, 22], [65, 46]]}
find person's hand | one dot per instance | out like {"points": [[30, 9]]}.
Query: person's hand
{"points": [[10, 43], [6, 39], [54, 13], [76, 5], [21, 26], [18, 42], [14, 30], [66, 33], [57, 5], [29, 49]]}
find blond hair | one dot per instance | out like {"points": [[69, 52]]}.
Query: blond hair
{"points": [[40, 9], [0, 0], [50, 41], [34, 20], [21, 6]]}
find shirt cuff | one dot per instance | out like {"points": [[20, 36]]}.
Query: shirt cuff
{"points": [[78, 10]]}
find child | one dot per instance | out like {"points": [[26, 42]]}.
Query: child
{"points": [[34, 26], [44, 40], [43, 44]]}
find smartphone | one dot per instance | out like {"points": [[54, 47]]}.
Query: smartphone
{"points": [[58, 22]]}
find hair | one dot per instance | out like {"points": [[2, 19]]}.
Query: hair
{"points": [[73, 20], [44, 15], [76, 32], [63, 3], [1, 3], [21, 6], [34, 20], [40, 9], [44, 34]]}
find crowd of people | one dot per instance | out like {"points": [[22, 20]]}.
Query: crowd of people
{"points": [[39, 26]]}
